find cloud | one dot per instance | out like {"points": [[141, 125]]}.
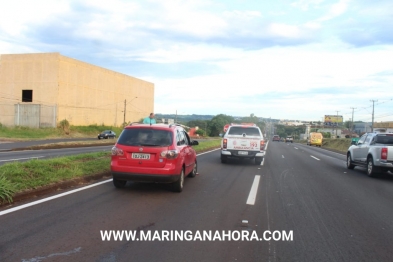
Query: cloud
{"points": [[284, 30], [286, 82], [263, 57], [306, 4], [335, 10]]}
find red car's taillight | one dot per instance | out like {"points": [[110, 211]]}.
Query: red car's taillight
{"points": [[224, 143], [262, 144], [384, 153], [117, 151], [169, 154]]}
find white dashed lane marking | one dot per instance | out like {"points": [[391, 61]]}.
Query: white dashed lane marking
{"points": [[315, 158], [253, 193]]}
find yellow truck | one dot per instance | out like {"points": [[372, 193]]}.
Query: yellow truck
{"points": [[315, 138]]}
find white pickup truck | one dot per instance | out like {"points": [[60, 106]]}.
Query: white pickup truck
{"points": [[243, 141], [372, 151]]}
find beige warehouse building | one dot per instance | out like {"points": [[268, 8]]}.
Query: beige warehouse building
{"points": [[39, 90]]}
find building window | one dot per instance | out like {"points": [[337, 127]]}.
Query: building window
{"points": [[27, 95]]}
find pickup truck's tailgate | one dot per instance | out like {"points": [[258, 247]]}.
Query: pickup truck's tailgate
{"points": [[390, 153], [243, 143]]}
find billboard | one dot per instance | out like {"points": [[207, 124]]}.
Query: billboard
{"points": [[333, 120]]}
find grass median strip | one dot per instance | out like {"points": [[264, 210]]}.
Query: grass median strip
{"points": [[17, 177]]}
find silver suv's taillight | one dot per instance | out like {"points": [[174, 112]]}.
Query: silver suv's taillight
{"points": [[117, 151], [170, 154], [384, 153]]}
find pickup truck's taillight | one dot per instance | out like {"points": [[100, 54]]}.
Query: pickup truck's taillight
{"points": [[384, 153], [224, 143], [262, 144]]}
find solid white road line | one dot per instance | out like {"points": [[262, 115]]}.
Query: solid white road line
{"points": [[253, 193], [263, 161], [315, 158], [50, 198], [282, 156], [26, 158]]}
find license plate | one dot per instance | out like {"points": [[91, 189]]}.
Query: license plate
{"points": [[242, 153], [140, 156]]}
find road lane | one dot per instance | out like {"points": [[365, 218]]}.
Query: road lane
{"points": [[11, 156], [9, 145], [336, 214]]}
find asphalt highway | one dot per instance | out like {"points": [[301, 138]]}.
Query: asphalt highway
{"points": [[9, 145], [334, 214]]}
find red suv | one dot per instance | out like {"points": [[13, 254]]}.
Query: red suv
{"points": [[153, 153]]}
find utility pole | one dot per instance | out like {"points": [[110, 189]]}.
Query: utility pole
{"points": [[337, 122], [125, 106], [372, 121], [353, 108]]}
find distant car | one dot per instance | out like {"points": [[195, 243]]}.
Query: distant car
{"points": [[315, 138], [276, 138], [158, 153], [289, 139], [107, 134]]}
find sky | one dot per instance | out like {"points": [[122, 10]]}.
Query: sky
{"points": [[280, 59]]}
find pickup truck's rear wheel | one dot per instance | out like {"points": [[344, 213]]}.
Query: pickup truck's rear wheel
{"points": [[371, 169], [349, 162]]}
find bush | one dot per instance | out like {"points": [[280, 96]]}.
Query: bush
{"points": [[200, 132], [7, 189], [65, 126]]}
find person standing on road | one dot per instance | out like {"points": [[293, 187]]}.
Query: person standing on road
{"points": [[150, 119]]}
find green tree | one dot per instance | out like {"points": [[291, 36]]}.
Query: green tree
{"points": [[216, 125], [200, 132], [198, 123], [254, 119], [250, 119], [326, 134]]}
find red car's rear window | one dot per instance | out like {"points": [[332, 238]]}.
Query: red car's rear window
{"points": [[145, 137]]}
